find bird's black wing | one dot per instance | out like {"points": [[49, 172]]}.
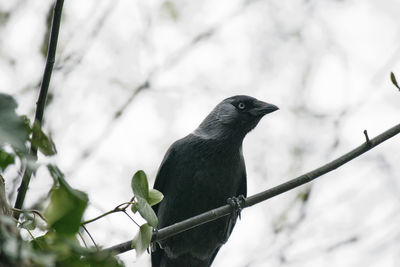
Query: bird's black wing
{"points": [[157, 254], [242, 190], [159, 184], [162, 174]]}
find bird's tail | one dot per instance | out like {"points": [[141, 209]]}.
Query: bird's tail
{"points": [[160, 259], [156, 256]]}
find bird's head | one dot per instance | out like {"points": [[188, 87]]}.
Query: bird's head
{"points": [[234, 117]]}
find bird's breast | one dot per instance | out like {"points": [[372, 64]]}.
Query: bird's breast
{"points": [[213, 175], [204, 175]]}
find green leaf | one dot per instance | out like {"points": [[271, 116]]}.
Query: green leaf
{"points": [[12, 127], [27, 123], [55, 173], [155, 197], [6, 159], [42, 141], [65, 251], [142, 240], [134, 207], [66, 206], [99, 259], [139, 185], [43, 242], [145, 211], [394, 81]]}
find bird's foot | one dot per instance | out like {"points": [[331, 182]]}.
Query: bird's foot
{"points": [[153, 245], [237, 205]]}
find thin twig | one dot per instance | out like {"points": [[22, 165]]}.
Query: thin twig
{"points": [[262, 196], [367, 138], [116, 209], [99, 217], [90, 236], [29, 211], [131, 218], [40, 104], [83, 239], [30, 233]]}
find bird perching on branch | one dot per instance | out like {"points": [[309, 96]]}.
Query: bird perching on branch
{"points": [[203, 171]]}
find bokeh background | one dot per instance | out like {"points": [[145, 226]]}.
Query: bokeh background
{"points": [[131, 77]]}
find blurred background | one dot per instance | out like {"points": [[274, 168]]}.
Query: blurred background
{"points": [[131, 77]]}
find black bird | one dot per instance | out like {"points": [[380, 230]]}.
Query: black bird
{"points": [[200, 172]]}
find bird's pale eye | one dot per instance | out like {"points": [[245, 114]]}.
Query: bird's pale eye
{"points": [[241, 105]]}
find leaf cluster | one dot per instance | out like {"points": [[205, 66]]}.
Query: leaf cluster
{"points": [[62, 220], [60, 223], [17, 136], [144, 199]]}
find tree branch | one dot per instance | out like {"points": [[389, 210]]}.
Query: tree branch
{"points": [[121, 207], [257, 198], [40, 104]]}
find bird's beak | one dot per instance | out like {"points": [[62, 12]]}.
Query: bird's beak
{"points": [[263, 108]]}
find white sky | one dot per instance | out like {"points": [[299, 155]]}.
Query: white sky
{"points": [[326, 64]]}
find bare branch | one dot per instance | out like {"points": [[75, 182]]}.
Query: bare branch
{"points": [[120, 208], [262, 196], [40, 104], [90, 236]]}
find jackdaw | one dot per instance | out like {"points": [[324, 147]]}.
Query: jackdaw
{"points": [[200, 172]]}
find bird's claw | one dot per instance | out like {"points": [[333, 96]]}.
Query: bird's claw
{"points": [[237, 205], [153, 245]]}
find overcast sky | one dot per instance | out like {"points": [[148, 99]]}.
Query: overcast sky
{"points": [[165, 64]]}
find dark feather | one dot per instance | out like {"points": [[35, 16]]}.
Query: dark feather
{"points": [[200, 172]]}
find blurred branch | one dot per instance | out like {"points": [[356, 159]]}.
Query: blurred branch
{"points": [[40, 104], [267, 194], [97, 19], [34, 212], [96, 144], [170, 61], [394, 81], [4, 207]]}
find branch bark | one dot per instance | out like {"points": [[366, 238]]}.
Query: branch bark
{"points": [[40, 104], [262, 196]]}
